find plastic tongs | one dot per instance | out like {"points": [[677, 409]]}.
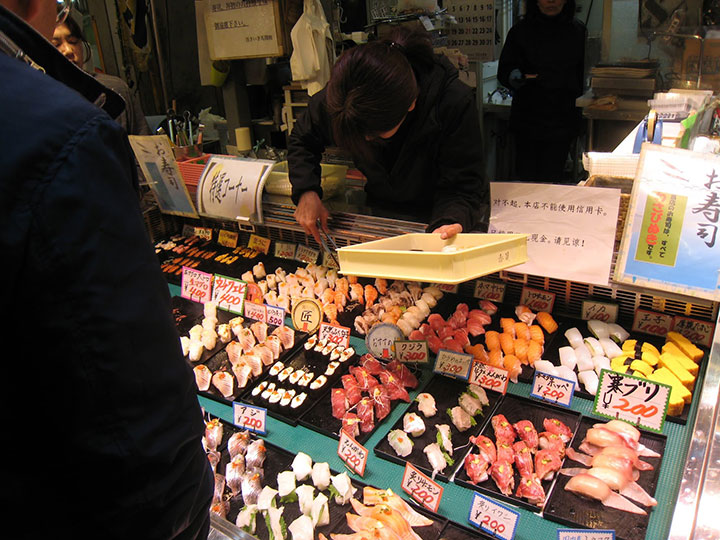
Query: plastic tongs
{"points": [[327, 241]]}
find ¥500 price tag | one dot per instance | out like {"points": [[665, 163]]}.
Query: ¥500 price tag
{"points": [[275, 315], [352, 453], [493, 517], [553, 389], [411, 351], [250, 417], [490, 377], [489, 290], [229, 293], [537, 299], [454, 364], [196, 285], [339, 335], [421, 488], [585, 534], [636, 400], [649, 322], [380, 339]]}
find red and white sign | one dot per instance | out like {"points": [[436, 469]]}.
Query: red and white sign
{"points": [[407, 351], [537, 299], [489, 377], [196, 285], [229, 293], [699, 332], [421, 487], [649, 322], [257, 312], [489, 290], [352, 453], [339, 335], [250, 417]]}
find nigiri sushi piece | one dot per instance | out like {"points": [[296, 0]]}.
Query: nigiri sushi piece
{"points": [[503, 429], [195, 332], [251, 487], [525, 314], [302, 466], [598, 328], [426, 404], [546, 320], [220, 508], [343, 487], [545, 366], [413, 424], [285, 373], [374, 496], [617, 333], [595, 348], [214, 458], [587, 485], [286, 335], [610, 348], [436, 458], [567, 357], [589, 380], [624, 429], [298, 400], [400, 442], [502, 473], [246, 518], [486, 447], [302, 528], [203, 376], [530, 488], [255, 454], [476, 467], [584, 358], [259, 330], [247, 339], [488, 307], [526, 432], [321, 475], [574, 337], [618, 480], [273, 517], [285, 483], [553, 425], [460, 418], [243, 373], [287, 397], [311, 342], [470, 403], [523, 458], [195, 350], [269, 389], [213, 434], [306, 496], [547, 463], [234, 472], [224, 382], [444, 438], [224, 333]]}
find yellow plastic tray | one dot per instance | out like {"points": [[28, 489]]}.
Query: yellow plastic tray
{"points": [[429, 258]]}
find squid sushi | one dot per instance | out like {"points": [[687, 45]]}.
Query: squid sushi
{"points": [[610, 348], [302, 466], [545, 366], [203, 376], [437, 459], [617, 333], [595, 347], [599, 329], [600, 363], [413, 424], [321, 475], [589, 380], [306, 496], [400, 442], [567, 357], [302, 528], [426, 404], [574, 337], [584, 358]]}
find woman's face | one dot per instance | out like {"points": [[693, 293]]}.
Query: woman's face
{"points": [[551, 8], [69, 45]]}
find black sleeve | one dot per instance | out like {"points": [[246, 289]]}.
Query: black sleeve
{"points": [[510, 58]]}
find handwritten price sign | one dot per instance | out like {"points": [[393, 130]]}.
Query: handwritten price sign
{"points": [[307, 254], [339, 335], [489, 290], [421, 488], [490, 377], [229, 293], [306, 315], [196, 285], [493, 517], [203, 232], [447, 287], [601, 311], [250, 417], [407, 351], [699, 332], [352, 453], [453, 364], [636, 400], [585, 534], [285, 250], [649, 322], [380, 339], [275, 315], [227, 238], [537, 299], [327, 260], [553, 389], [257, 312], [259, 243]]}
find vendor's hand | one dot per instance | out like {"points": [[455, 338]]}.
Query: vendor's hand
{"points": [[309, 210], [448, 231]]}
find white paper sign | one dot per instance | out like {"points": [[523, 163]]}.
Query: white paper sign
{"points": [[571, 229], [352, 453], [421, 487], [250, 417], [493, 517], [585, 534]]}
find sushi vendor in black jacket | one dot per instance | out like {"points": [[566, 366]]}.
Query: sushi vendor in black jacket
{"points": [[542, 62], [103, 426], [412, 128]]}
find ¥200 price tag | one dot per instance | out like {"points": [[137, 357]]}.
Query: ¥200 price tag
{"points": [[553, 389], [585, 534], [285, 250], [352, 453], [453, 364], [381, 338], [275, 315], [339, 335], [196, 285], [699, 332], [489, 290], [229, 293], [601, 311], [633, 399], [490, 377], [421, 488], [537, 299], [257, 312], [649, 322], [408, 351], [493, 517], [307, 254], [250, 417]]}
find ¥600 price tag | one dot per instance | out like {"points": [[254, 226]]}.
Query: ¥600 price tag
{"points": [[601, 311], [585, 534], [196, 285], [700, 332], [421, 488], [537, 299], [649, 322], [493, 517], [453, 364], [553, 389], [257, 312], [636, 400], [229, 293], [250, 417], [275, 315], [411, 351], [285, 250], [489, 290], [352, 453], [490, 377], [380, 339]]}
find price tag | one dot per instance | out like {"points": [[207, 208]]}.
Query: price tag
{"points": [[493, 517], [227, 238], [490, 377], [553, 389], [537, 299], [489, 290], [229, 293], [453, 364], [203, 232], [407, 351], [380, 339], [352, 453], [328, 261], [332, 333], [259, 243], [256, 312], [275, 315], [699, 332], [196, 285], [307, 254], [626, 397], [285, 250], [447, 287], [649, 322], [585, 534], [250, 417], [421, 487], [307, 315], [601, 311]]}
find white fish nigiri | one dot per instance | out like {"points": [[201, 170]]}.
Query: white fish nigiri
{"points": [[306, 496], [589, 380], [285, 483], [345, 490], [444, 438], [319, 512], [594, 488], [277, 526], [413, 424], [203, 375], [246, 518], [599, 329], [266, 499], [436, 458], [302, 466], [400, 442], [567, 357]]}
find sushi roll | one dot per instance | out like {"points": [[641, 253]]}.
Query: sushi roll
{"points": [[276, 368], [574, 337], [298, 400], [296, 375], [567, 357], [306, 378], [413, 424], [311, 342], [599, 329], [400, 442], [335, 354], [287, 397], [276, 395], [285, 373], [268, 391], [318, 383], [259, 388], [347, 354], [332, 366]]}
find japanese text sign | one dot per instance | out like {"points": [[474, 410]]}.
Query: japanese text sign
{"points": [[306, 254], [250, 417], [196, 285], [634, 399], [537, 299], [493, 517], [203, 232], [229, 293], [453, 364], [649, 322], [275, 315], [447, 287], [700, 332], [306, 315], [259, 243], [490, 377], [352, 453], [332, 333], [601, 311], [489, 290], [329, 260], [285, 250], [421, 488], [585, 534], [227, 238], [381, 338], [408, 351], [257, 312], [553, 389]]}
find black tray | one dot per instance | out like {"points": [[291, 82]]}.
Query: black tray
{"points": [[455, 531], [517, 408], [186, 313], [446, 392], [572, 510]]}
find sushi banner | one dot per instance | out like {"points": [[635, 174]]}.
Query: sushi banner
{"points": [[671, 239]]}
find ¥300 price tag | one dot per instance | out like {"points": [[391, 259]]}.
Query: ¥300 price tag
{"points": [[196, 285], [585, 534], [490, 377], [275, 315], [537, 299], [700, 332], [636, 400], [493, 517], [352, 453], [339, 335], [421, 488], [259, 243], [453, 364], [229, 293], [381, 338], [489, 290], [407, 351], [257, 312], [285, 250], [250, 417], [307, 254], [649, 322], [553, 389], [601, 311]]}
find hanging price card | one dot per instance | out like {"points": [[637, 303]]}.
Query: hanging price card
{"points": [[489, 290], [380, 339], [493, 517], [699, 332], [327, 260], [553, 389], [352, 453], [229, 293], [285, 250], [446, 287], [256, 312], [250, 417], [453, 364], [649, 322], [259, 243], [601, 311], [307, 254], [307, 315], [421, 488], [537, 299], [407, 351], [275, 315], [203, 232], [490, 377], [626, 397], [196, 285], [585, 534], [227, 238], [339, 335]]}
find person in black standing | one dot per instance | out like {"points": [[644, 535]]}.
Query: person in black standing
{"points": [[542, 62]]}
